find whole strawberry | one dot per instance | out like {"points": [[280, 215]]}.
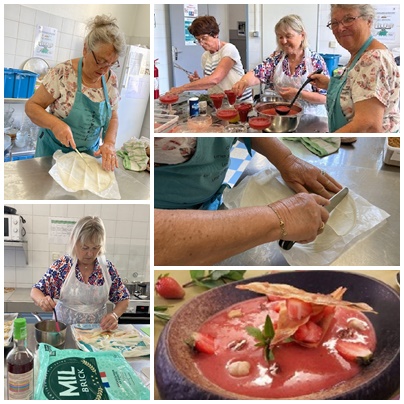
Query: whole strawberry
{"points": [[169, 288]]}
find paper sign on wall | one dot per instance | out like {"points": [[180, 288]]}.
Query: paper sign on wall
{"points": [[60, 229], [45, 42], [191, 10], [386, 23]]}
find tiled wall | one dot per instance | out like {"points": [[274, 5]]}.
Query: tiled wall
{"points": [[128, 240]]}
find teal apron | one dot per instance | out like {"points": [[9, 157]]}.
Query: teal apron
{"points": [[336, 118], [86, 119], [198, 182]]}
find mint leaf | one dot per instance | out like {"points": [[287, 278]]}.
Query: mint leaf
{"points": [[264, 337]]}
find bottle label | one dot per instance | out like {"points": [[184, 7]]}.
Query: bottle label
{"points": [[20, 386]]}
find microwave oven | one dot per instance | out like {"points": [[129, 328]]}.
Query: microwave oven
{"points": [[13, 228]]}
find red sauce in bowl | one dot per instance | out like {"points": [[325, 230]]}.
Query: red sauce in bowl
{"points": [[169, 98], [231, 96], [226, 114], [259, 123], [243, 110], [272, 111], [217, 99], [300, 371]]}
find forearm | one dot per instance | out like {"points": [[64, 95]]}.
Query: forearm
{"points": [[110, 136], [202, 84], [39, 116], [250, 79], [188, 237], [313, 97], [121, 307], [36, 295], [271, 148]]}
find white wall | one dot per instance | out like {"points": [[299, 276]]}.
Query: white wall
{"points": [[128, 240]]}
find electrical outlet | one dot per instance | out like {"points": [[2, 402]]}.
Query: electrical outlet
{"points": [[332, 44], [256, 34]]}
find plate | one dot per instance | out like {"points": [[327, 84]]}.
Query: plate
{"points": [[37, 65], [177, 378], [125, 339]]}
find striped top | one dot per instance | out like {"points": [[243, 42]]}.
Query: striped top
{"points": [[210, 61]]}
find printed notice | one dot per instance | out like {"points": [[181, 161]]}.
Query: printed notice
{"points": [[45, 42], [60, 229]]}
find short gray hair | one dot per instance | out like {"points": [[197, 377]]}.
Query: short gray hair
{"points": [[365, 10], [103, 29], [295, 23], [87, 229]]}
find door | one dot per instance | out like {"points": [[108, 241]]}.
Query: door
{"points": [[184, 53]]}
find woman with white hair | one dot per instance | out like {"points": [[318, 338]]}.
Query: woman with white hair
{"points": [[285, 70], [366, 96], [83, 281], [82, 96]]}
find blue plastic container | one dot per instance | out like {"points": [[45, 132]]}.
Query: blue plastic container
{"points": [[331, 60], [19, 83]]}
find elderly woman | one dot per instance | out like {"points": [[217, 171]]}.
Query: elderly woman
{"points": [[221, 61], [188, 183], [83, 281], [82, 96], [285, 70], [365, 98]]}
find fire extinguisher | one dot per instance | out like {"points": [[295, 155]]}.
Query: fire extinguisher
{"points": [[156, 81]]}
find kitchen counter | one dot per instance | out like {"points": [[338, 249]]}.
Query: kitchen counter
{"points": [[182, 276], [30, 180], [360, 167], [140, 365]]}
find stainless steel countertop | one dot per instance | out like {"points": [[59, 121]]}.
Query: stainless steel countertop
{"points": [[360, 167], [30, 180]]}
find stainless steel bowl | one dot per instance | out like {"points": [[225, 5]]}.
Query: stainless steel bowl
{"points": [[280, 123], [45, 331]]}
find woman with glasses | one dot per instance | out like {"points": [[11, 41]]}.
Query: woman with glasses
{"points": [[365, 97], [76, 103], [285, 70], [83, 281], [221, 61]]}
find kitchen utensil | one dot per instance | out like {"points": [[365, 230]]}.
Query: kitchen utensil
{"points": [[83, 159], [280, 123], [56, 320], [37, 65], [45, 331], [9, 210], [284, 110], [177, 377], [334, 201], [177, 66]]}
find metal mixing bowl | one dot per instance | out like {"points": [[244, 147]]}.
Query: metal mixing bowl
{"points": [[45, 331], [280, 123]]}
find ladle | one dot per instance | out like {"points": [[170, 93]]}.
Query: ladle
{"points": [[284, 109]]}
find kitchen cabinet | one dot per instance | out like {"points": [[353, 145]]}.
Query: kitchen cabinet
{"points": [[19, 244]]}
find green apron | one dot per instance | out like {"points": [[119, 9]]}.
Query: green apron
{"points": [[336, 118], [86, 119], [198, 182]]}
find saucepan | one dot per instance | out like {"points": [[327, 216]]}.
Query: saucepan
{"points": [[46, 331]]}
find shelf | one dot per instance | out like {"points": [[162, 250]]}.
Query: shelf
{"points": [[19, 244], [15, 100]]}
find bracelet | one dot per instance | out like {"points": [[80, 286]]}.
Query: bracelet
{"points": [[281, 222], [115, 315]]}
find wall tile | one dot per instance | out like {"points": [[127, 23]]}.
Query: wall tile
{"points": [[12, 12], [11, 28], [27, 15]]}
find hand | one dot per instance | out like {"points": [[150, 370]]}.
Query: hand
{"points": [[109, 158], [287, 93], [193, 77], [240, 87], [304, 177], [109, 322], [304, 216], [46, 303], [64, 134], [176, 90], [320, 80]]}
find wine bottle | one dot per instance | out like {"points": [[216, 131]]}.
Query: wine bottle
{"points": [[20, 365]]}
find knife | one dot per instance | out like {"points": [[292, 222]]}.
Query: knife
{"points": [[334, 201], [83, 159]]}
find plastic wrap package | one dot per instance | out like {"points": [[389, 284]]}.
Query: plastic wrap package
{"points": [[70, 374], [348, 222], [73, 174]]}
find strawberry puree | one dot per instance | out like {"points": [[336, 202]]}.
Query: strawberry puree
{"points": [[272, 111], [169, 98], [295, 371]]}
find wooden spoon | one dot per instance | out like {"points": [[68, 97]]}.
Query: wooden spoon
{"points": [[284, 109]]}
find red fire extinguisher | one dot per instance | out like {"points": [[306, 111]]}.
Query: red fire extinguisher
{"points": [[156, 81]]}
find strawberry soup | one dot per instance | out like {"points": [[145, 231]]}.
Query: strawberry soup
{"points": [[272, 111], [296, 370]]}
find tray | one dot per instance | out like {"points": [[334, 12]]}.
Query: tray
{"points": [[9, 328], [391, 155], [125, 339], [164, 122]]}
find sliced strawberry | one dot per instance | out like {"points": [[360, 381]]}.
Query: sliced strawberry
{"points": [[309, 332], [203, 343], [354, 352], [297, 309]]}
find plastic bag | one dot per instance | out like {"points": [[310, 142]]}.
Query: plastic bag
{"points": [[350, 220], [70, 374]]}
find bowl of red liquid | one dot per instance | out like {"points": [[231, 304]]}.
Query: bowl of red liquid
{"points": [[226, 114], [243, 110], [280, 123], [231, 96], [178, 378], [169, 98], [217, 99], [259, 122]]}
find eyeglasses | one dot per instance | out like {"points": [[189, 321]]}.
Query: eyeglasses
{"points": [[346, 22], [106, 64], [203, 38]]}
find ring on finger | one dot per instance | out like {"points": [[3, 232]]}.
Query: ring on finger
{"points": [[321, 228], [323, 172]]}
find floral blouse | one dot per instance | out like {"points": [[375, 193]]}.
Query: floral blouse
{"points": [[375, 75], [265, 71], [51, 283], [61, 83]]}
